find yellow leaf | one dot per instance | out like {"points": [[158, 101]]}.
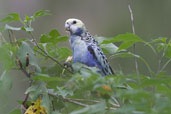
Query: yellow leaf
{"points": [[36, 108], [106, 87]]}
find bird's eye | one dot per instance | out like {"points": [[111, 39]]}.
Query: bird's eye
{"points": [[74, 22]]}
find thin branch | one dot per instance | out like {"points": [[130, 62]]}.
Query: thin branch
{"points": [[27, 96], [164, 66], [86, 100], [134, 46], [2, 37], [76, 101], [69, 100], [28, 76], [10, 39], [160, 61], [47, 55], [22, 69], [132, 18], [117, 103]]}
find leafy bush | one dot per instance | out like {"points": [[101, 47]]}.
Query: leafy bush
{"points": [[83, 91]]}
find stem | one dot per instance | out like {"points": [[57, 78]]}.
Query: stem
{"points": [[47, 55], [134, 46], [160, 61], [69, 100], [2, 37], [76, 101], [28, 76], [10, 39], [164, 66]]}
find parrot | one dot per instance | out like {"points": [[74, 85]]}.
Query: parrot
{"points": [[85, 48]]}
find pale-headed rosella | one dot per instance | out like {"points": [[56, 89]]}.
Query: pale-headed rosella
{"points": [[85, 48]]}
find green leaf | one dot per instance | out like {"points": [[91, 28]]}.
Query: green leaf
{"points": [[56, 112], [84, 70], [52, 37], [92, 109], [52, 82], [128, 40], [159, 40], [63, 53], [46, 101], [11, 17], [36, 90], [107, 48], [25, 50], [46, 78], [125, 54], [27, 29], [28, 19], [39, 89], [168, 51], [41, 13], [12, 28], [64, 92], [129, 54], [126, 109], [7, 56], [123, 38], [54, 33], [15, 16], [6, 19], [5, 82], [16, 111], [2, 29], [161, 46], [126, 45]]}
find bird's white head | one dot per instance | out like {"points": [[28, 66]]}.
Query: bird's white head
{"points": [[75, 26]]}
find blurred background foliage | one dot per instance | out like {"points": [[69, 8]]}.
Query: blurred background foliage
{"points": [[103, 18]]}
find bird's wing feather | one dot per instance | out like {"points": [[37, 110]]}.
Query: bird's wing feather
{"points": [[97, 54]]}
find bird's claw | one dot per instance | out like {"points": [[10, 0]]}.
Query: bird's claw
{"points": [[68, 65]]}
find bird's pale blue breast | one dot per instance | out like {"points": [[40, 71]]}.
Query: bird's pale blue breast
{"points": [[81, 52]]}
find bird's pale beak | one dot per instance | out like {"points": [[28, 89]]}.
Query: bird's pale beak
{"points": [[67, 27]]}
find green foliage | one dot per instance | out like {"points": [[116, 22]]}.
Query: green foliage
{"points": [[128, 40], [84, 91], [107, 48], [5, 83], [24, 51], [17, 111], [52, 37], [11, 17], [6, 55]]}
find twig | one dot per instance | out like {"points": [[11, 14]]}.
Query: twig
{"points": [[28, 76], [47, 55], [69, 100], [10, 39], [117, 103], [27, 96], [134, 46], [86, 100], [76, 101], [132, 18], [164, 66], [160, 61], [2, 37], [22, 69]]}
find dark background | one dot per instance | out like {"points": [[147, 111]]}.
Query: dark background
{"points": [[102, 17]]}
